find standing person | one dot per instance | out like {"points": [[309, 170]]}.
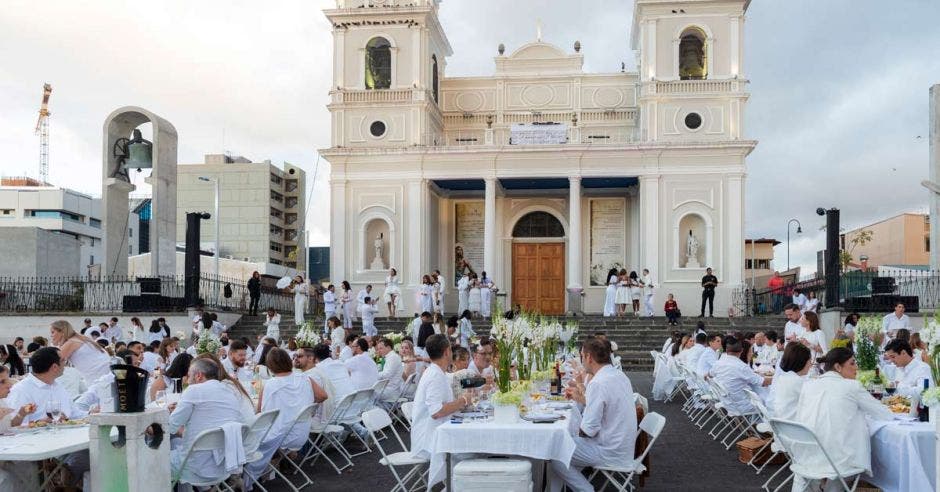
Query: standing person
{"points": [[610, 300], [463, 293], [475, 298], [300, 290], [895, 321], [648, 287], [436, 293], [709, 282], [443, 291], [368, 311], [272, 322], [623, 292], [155, 333], [84, 353], [254, 293], [137, 329], [346, 300], [636, 290], [361, 296], [486, 295], [466, 329], [811, 302], [329, 306], [392, 292], [113, 333], [426, 295], [799, 299], [775, 286], [671, 308]]}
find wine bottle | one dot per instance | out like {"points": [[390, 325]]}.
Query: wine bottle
{"points": [[877, 385], [472, 382], [556, 381], [923, 411]]}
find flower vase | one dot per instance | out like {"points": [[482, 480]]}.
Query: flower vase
{"points": [[506, 414]]}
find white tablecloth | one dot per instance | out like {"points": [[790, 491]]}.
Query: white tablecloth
{"points": [[538, 441], [44, 444], [902, 457]]}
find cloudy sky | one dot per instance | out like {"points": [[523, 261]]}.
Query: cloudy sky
{"points": [[838, 89]]}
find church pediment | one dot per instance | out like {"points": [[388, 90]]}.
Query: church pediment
{"points": [[541, 59]]}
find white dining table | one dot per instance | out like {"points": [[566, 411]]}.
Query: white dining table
{"points": [[537, 441], [41, 444], [903, 456]]}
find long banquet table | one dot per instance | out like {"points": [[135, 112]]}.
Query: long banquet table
{"points": [[903, 456]]}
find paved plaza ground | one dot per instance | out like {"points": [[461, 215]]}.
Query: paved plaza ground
{"points": [[683, 459]]}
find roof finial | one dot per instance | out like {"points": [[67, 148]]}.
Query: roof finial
{"points": [[538, 30]]}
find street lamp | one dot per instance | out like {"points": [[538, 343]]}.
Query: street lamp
{"points": [[217, 219], [799, 230]]}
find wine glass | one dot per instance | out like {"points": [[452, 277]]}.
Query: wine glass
{"points": [[54, 412], [890, 388]]}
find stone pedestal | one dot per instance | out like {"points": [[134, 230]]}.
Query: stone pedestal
{"points": [[830, 320], [377, 264], [131, 464], [692, 263]]}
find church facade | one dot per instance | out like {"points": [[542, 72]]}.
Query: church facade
{"points": [[541, 175]]}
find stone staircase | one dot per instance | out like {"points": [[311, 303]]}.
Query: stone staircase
{"points": [[635, 337]]}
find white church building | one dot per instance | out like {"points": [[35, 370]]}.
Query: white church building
{"points": [[541, 175]]}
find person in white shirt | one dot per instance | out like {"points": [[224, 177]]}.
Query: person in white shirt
{"points": [[290, 393], [799, 299], [435, 294], [465, 329], [690, 359], [441, 307], [362, 369], [759, 345], [114, 333], [82, 352], [811, 303], [272, 323], [235, 364], [785, 389], [608, 428], [835, 406], [434, 398], [206, 403], [647, 281], [367, 312], [337, 334], [463, 293], [709, 356], [481, 364], [735, 375], [813, 336], [392, 292], [217, 328], [149, 360], [911, 372], [329, 306], [347, 351], [362, 294], [792, 331], [895, 321], [391, 371], [14, 475]]}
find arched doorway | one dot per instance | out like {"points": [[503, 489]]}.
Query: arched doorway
{"points": [[538, 264]]}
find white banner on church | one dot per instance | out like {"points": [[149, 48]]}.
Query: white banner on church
{"points": [[468, 238], [538, 133], [608, 235]]}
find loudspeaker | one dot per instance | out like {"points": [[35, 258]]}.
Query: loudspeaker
{"points": [[191, 266], [882, 285], [149, 286]]}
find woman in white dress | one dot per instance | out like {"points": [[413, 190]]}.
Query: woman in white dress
{"points": [[84, 353], [785, 389], [811, 302], [465, 330], [476, 298], [348, 305], [299, 289], [137, 330], [463, 293], [392, 292], [623, 292], [813, 337], [636, 291], [426, 295], [273, 324], [610, 300], [835, 406], [486, 296]]}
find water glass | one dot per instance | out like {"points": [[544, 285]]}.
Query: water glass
{"points": [[54, 411]]}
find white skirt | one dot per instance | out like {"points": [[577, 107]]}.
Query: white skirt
{"points": [[623, 295], [475, 300], [610, 301]]}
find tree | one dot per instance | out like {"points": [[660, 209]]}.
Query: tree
{"points": [[862, 238]]}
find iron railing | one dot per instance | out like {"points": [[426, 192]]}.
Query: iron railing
{"points": [[107, 294], [860, 291]]}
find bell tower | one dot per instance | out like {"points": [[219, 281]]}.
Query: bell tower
{"points": [[389, 57], [691, 72]]}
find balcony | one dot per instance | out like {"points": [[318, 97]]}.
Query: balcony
{"points": [[372, 96], [679, 87]]}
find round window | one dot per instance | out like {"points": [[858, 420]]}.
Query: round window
{"points": [[377, 129], [693, 121]]}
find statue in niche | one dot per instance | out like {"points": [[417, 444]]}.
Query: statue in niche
{"points": [[691, 251], [379, 246]]}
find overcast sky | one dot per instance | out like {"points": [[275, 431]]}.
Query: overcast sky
{"points": [[838, 89]]}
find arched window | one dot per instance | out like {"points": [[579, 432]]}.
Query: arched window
{"points": [[692, 62], [434, 77], [378, 64], [538, 224]]}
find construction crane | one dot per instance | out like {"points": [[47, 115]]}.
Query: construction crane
{"points": [[42, 129]]}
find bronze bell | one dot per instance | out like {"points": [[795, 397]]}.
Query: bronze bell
{"points": [[139, 153]]}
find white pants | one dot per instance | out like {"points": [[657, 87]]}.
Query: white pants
{"points": [[648, 304], [586, 453], [299, 310]]}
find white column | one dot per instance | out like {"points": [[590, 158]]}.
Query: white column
{"points": [[339, 58], [734, 265], [415, 240], [649, 224], [489, 227], [574, 232], [735, 46], [338, 244], [651, 60]]}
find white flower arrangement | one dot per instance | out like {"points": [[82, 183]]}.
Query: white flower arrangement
{"points": [[308, 336], [931, 334], [208, 343], [931, 397], [869, 326]]}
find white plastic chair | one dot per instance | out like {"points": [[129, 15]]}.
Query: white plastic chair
{"points": [[207, 440], [406, 409], [376, 420], [326, 436], [302, 418], [254, 436], [794, 437], [621, 475]]}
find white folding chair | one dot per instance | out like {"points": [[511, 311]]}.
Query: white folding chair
{"points": [[207, 440], [376, 420], [775, 447], [326, 436], [362, 402], [620, 475], [395, 405], [302, 418], [641, 400], [795, 438], [406, 409], [255, 435]]}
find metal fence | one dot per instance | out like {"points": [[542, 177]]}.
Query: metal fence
{"points": [[860, 291], [109, 295]]}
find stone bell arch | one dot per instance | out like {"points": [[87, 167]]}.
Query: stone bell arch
{"points": [[124, 150]]}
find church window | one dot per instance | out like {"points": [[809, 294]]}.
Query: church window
{"points": [[692, 62], [377, 129], [378, 64], [538, 224], [693, 121], [435, 82]]}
